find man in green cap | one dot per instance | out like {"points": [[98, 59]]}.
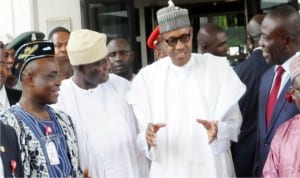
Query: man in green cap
{"points": [[11, 48]]}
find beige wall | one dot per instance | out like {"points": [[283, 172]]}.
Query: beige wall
{"points": [[17, 16], [58, 11]]}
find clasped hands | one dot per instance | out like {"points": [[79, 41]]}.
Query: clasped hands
{"points": [[152, 129]]}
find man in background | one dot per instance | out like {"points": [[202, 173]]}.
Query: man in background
{"points": [[121, 57], [250, 72], [60, 36], [8, 96], [212, 39], [154, 42], [12, 81]]}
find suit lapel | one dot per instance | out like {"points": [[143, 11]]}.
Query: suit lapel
{"points": [[279, 105]]}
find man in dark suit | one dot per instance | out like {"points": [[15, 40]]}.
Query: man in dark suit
{"points": [[250, 72], [9, 152], [280, 42]]}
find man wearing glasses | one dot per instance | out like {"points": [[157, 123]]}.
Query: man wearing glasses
{"points": [[186, 111]]}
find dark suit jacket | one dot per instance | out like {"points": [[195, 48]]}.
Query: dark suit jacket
{"points": [[8, 140], [282, 112], [243, 152], [13, 95]]}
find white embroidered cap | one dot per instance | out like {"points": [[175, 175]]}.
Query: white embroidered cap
{"points": [[86, 47]]}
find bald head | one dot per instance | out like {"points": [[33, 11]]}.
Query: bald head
{"points": [[280, 34], [212, 39], [288, 17], [254, 31]]}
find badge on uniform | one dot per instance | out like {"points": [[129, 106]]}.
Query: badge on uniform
{"points": [[2, 149], [51, 148]]}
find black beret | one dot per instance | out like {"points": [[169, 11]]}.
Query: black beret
{"points": [[29, 52], [25, 37]]}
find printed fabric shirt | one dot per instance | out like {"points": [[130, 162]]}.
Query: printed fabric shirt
{"points": [[284, 156], [32, 155]]}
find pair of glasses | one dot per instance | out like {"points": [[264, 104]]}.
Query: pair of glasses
{"points": [[121, 53], [293, 89], [183, 39]]}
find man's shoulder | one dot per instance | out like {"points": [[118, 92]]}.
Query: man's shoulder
{"points": [[9, 117], [210, 59], [117, 81], [287, 125]]}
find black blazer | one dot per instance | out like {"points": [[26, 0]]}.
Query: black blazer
{"points": [[8, 140], [13, 95], [243, 152]]}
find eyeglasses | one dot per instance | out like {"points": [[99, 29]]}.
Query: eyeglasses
{"points": [[183, 39], [121, 53], [293, 89]]}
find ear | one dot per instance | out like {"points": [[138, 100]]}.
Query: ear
{"points": [[28, 77], [289, 40], [132, 55]]}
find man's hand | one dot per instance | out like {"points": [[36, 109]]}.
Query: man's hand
{"points": [[211, 127], [151, 131], [86, 173]]}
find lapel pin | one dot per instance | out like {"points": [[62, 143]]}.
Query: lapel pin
{"points": [[2, 149]]}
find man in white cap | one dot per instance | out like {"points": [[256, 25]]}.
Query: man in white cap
{"points": [[96, 102], [186, 109]]}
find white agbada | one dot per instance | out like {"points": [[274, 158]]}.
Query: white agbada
{"points": [[207, 88], [106, 128]]}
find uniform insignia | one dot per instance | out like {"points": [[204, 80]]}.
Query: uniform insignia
{"points": [[2, 149], [28, 51]]}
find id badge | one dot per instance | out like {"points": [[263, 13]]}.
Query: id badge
{"points": [[52, 153]]}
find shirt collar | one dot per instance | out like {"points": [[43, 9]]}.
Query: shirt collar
{"points": [[286, 64], [3, 99], [186, 66]]}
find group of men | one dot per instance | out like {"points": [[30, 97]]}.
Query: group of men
{"points": [[176, 118]]}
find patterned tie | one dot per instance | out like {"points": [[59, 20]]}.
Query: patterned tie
{"points": [[273, 95]]}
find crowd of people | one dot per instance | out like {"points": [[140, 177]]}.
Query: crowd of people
{"points": [[71, 105]]}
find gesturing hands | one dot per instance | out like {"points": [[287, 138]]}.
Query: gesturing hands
{"points": [[211, 127], [151, 131]]}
